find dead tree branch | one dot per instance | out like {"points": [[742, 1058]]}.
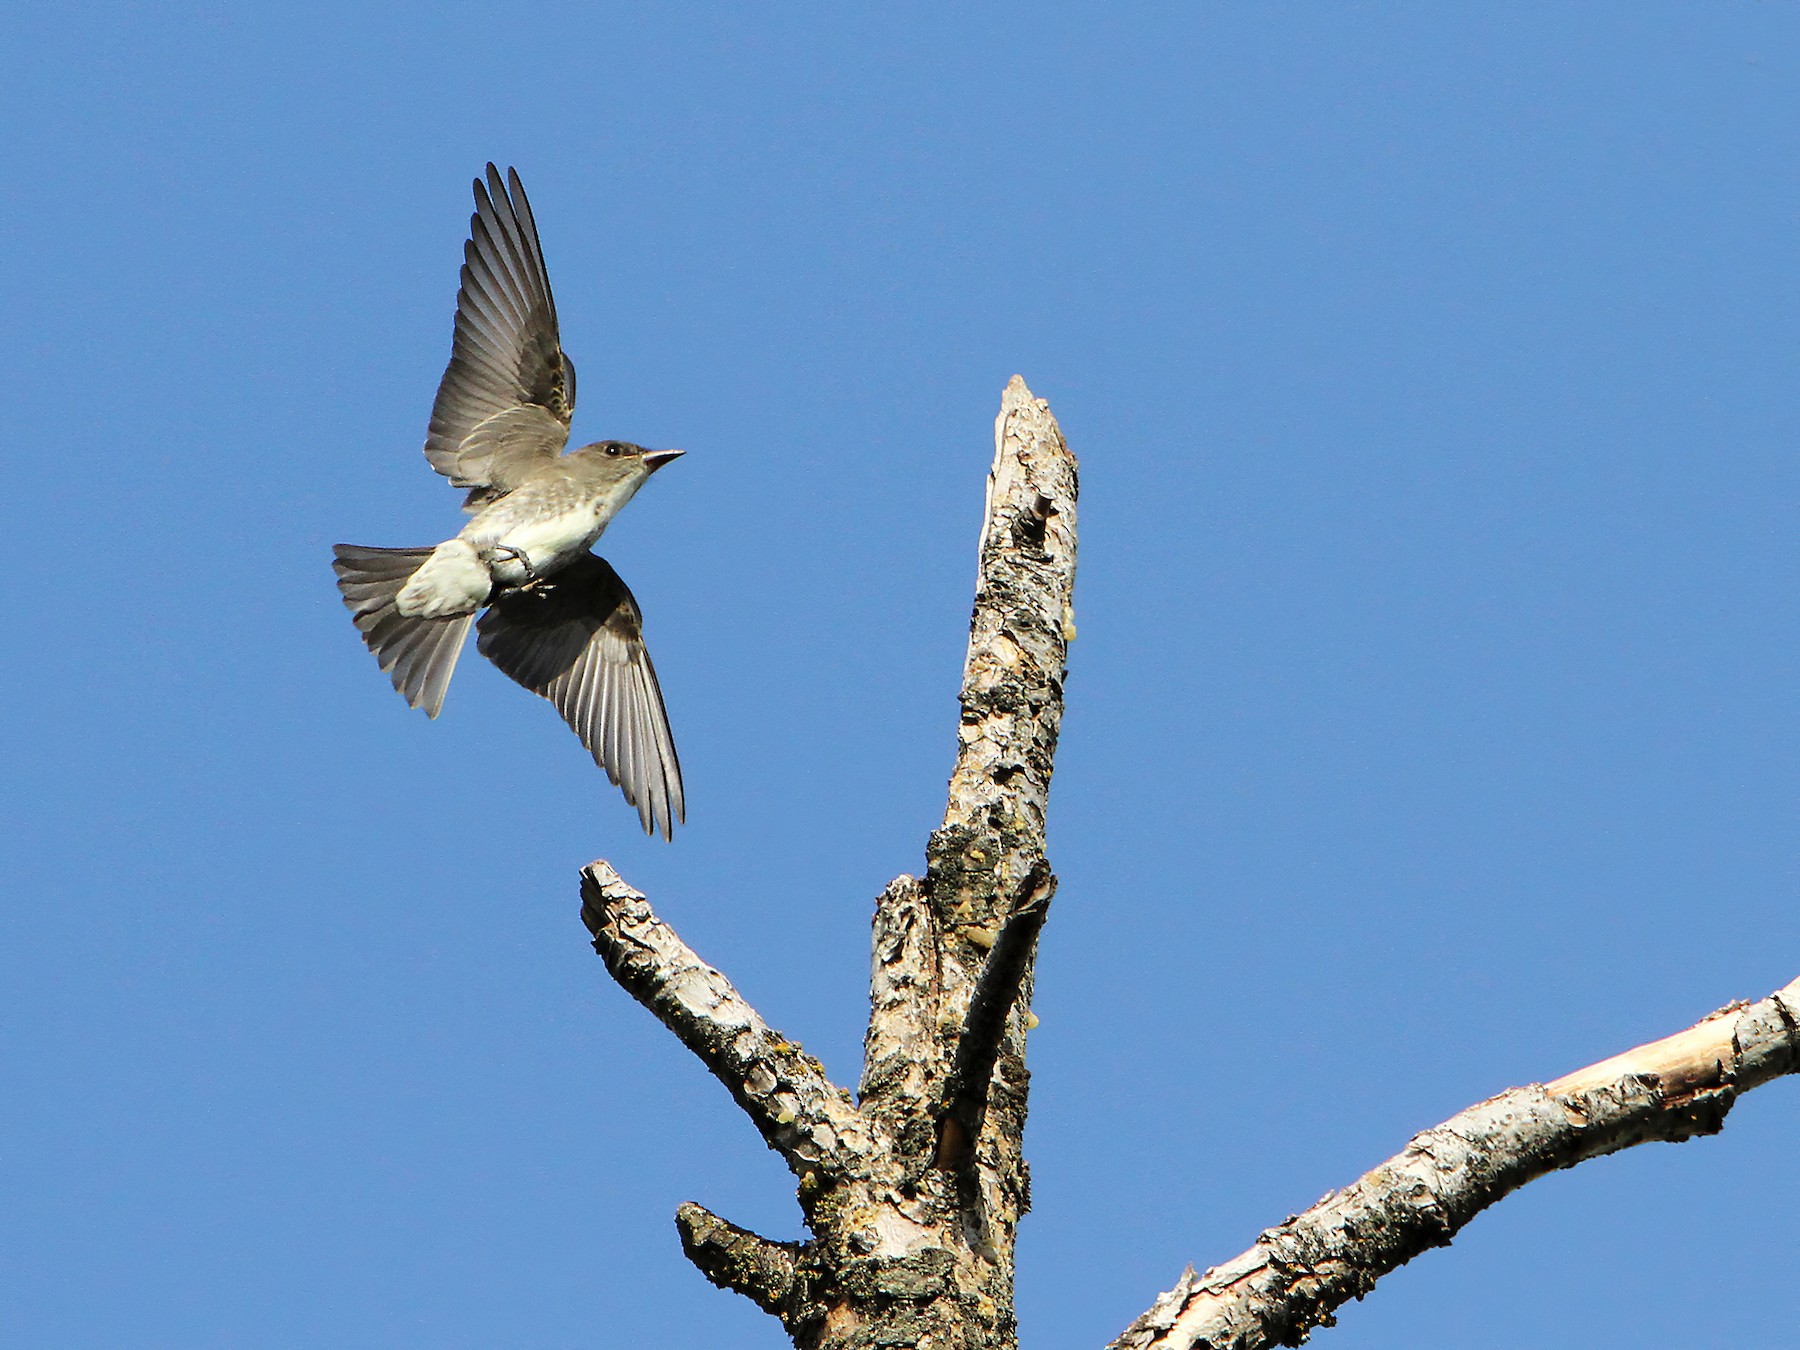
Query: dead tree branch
{"points": [[913, 1193], [1019, 637], [736, 1259], [802, 1114], [996, 993], [903, 1252], [1299, 1272]]}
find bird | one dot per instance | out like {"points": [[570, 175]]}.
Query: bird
{"points": [[554, 616]]}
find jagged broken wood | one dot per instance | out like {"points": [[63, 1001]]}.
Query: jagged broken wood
{"points": [[1300, 1271]]}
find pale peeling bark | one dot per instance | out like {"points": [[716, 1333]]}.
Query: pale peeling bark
{"points": [[1299, 1272], [912, 1194]]}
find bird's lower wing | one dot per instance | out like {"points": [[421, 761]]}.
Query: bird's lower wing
{"points": [[577, 640]]}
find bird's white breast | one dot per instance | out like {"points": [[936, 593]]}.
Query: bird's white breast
{"points": [[552, 523]]}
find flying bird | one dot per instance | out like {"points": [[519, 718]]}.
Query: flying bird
{"points": [[558, 618]]}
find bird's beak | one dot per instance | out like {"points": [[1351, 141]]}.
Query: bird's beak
{"points": [[657, 458]]}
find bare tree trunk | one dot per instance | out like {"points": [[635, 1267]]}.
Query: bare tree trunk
{"points": [[913, 1190]]}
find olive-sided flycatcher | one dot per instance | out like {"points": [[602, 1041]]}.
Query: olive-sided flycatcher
{"points": [[559, 620]]}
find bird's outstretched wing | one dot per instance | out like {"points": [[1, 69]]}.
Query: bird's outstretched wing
{"points": [[504, 405], [577, 639]]}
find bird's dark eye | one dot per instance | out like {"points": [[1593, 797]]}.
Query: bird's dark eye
{"points": [[612, 450]]}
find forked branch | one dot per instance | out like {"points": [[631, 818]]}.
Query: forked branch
{"points": [[902, 1252], [907, 1253]]}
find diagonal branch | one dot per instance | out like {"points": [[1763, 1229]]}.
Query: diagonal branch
{"points": [[802, 1114], [984, 1025], [1297, 1273]]}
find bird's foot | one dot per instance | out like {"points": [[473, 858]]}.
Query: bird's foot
{"points": [[518, 556]]}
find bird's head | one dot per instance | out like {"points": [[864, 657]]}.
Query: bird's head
{"points": [[621, 461]]}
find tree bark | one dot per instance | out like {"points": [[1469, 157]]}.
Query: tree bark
{"points": [[1300, 1271], [914, 1189], [912, 1192]]}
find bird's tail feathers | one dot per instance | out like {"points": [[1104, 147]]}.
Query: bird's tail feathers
{"points": [[419, 654]]}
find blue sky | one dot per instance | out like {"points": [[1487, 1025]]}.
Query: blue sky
{"points": [[1431, 726]]}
